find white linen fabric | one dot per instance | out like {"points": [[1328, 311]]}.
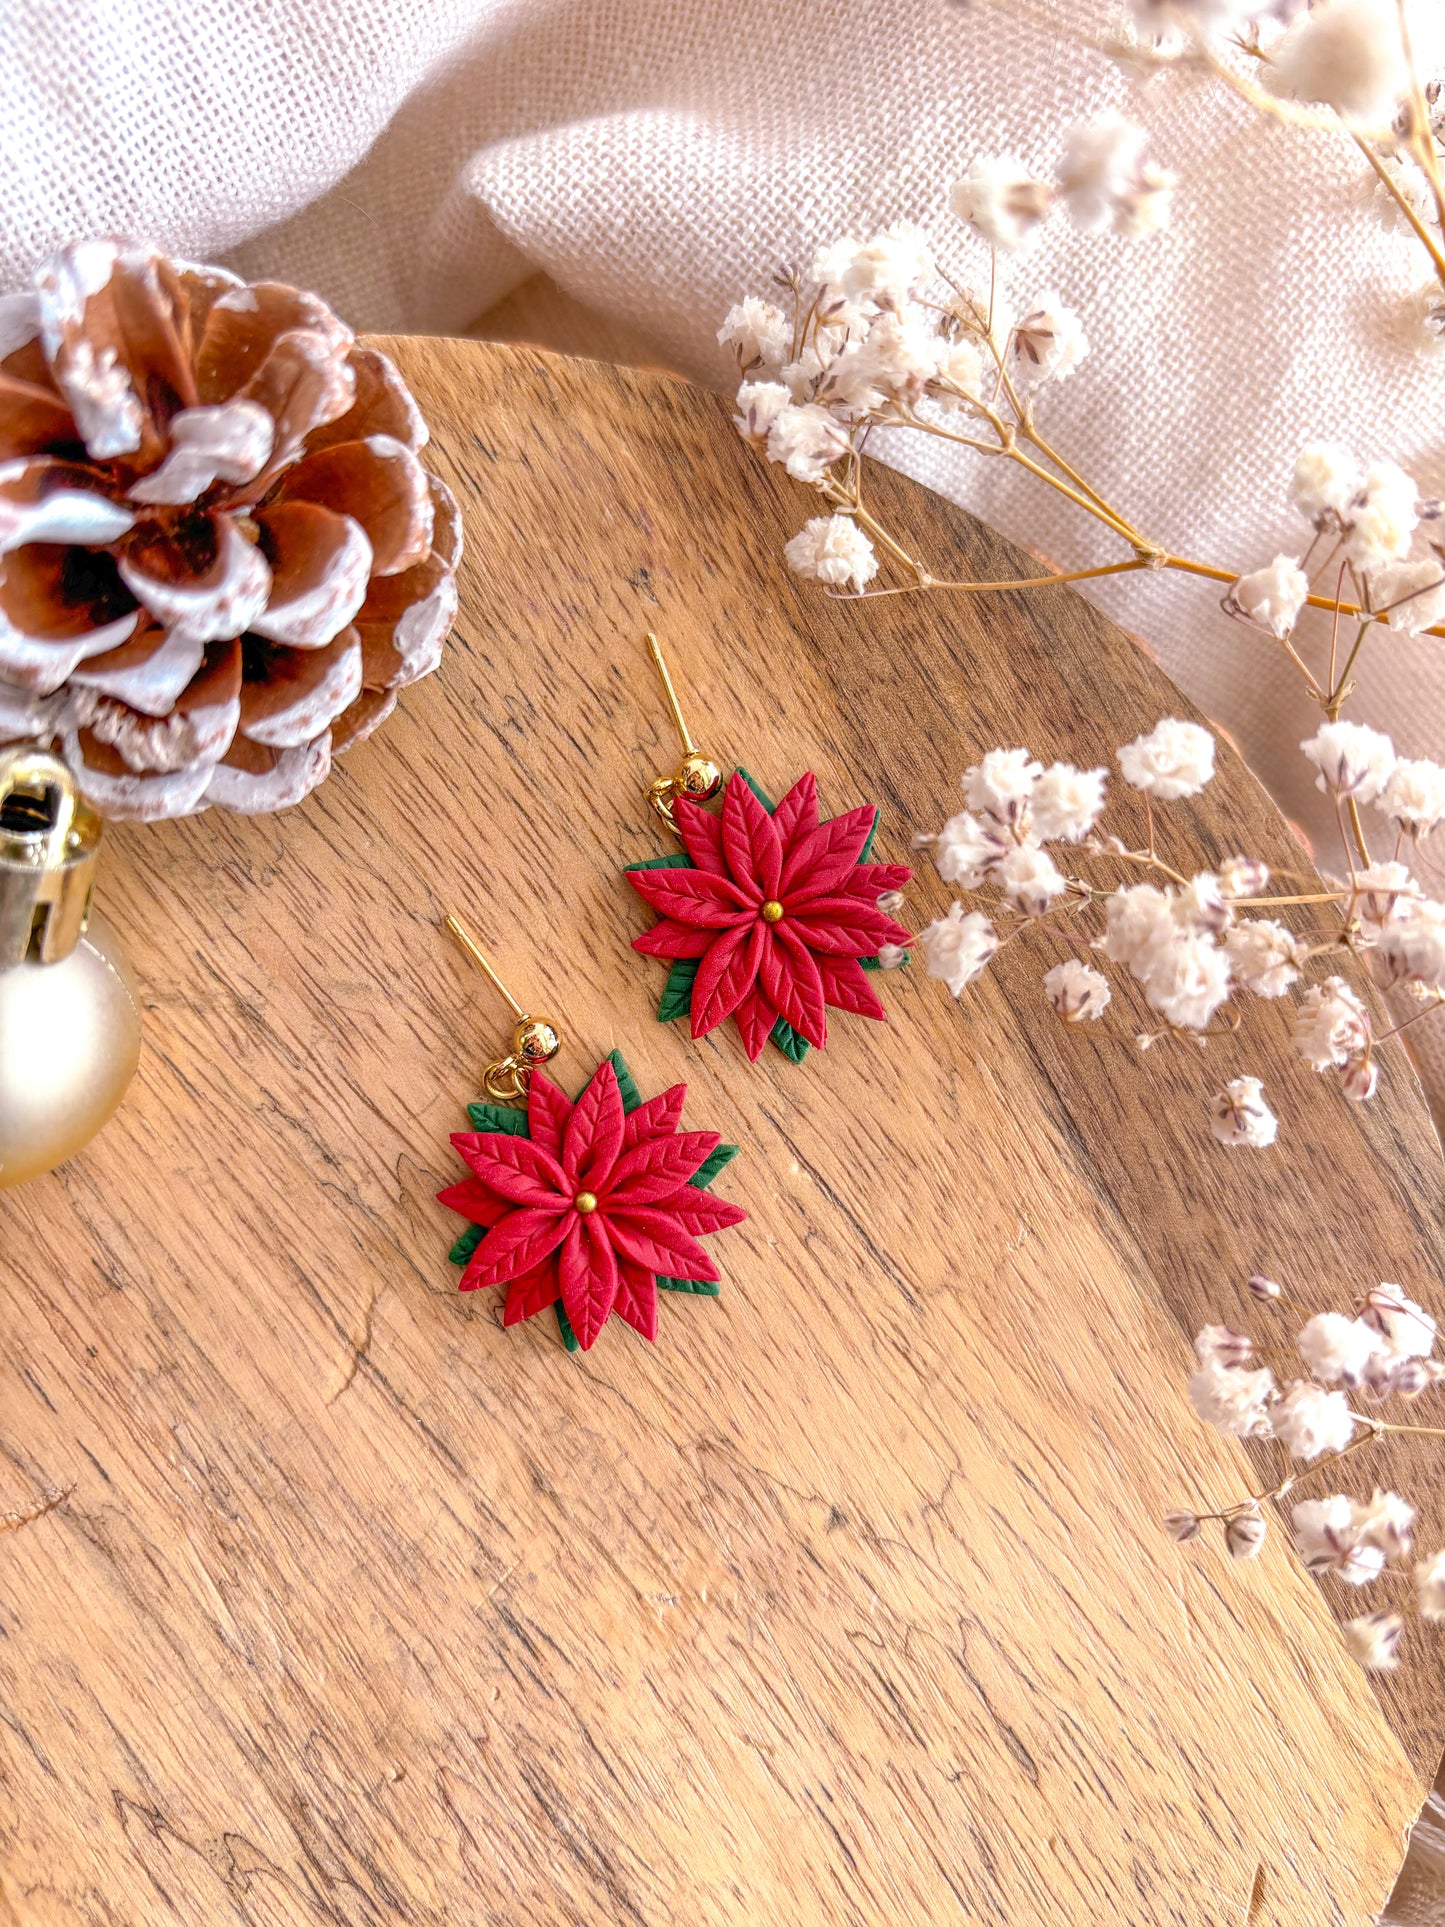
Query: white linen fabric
{"points": [[413, 160]]}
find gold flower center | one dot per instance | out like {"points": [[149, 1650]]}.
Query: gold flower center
{"points": [[585, 1202], [772, 911]]}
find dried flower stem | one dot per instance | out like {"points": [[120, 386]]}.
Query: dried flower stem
{"points": [[1386, 180], [1253, 1500]]}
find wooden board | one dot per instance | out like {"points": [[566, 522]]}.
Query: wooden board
{"points": [[848, 1602]]}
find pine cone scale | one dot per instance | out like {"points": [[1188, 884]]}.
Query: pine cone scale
{"points": [[383, 406], [46, 499], [381, 485], [219, 554], [405, 618], [228, 442], [321, 563], [367, 713], [57, 606], [302, 692], [170, 574], [31, 419], [149, 673]]}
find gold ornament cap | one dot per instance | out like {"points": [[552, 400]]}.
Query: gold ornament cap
{"points": [[49, 845]]}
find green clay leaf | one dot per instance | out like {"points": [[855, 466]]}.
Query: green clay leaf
{"points": [[564, 1325], [719, 1161], [677, 991], [461, 1251], [498, 1117], [872, 963], [674, 860], [788, 1041], [631, 1096], [699, 1287], [868, 846]]}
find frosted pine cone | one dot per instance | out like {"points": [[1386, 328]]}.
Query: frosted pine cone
{"points": [[220, 558]]}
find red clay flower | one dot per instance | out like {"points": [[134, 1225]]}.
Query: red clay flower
{"points": [[591, 1206], [777, 909]]}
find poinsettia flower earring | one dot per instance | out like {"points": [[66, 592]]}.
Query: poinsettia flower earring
{"points": [[767, 915], [592, 1206]]}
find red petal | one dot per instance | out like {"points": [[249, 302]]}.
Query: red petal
{"points": [[518, 1243], [658, 1117], [473, 1143], [701, 1212], [701, 834], [518, 1170], [534, 1291], [587, 1268], [695, 897], [594, 1132], [655, 1169], [797, 814], [872, 879], [749, 840], [755, 1018], [790, 977], [669, 939], [845, 927], [473, 1200], [725, 975], [656, 1241], [846, 987], [817, 864], [548, 1110], [636, 1300]]}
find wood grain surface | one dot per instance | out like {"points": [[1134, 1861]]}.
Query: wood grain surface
{"points": [[327, 1600]]}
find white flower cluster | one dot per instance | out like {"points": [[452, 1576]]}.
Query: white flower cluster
{"points": [[1374, 513], [871, 335], [1384, 1351], [865, 345], [1105, 179], [1167, 939], [1015, 806], [1344, 54], [958, 947], [1240, 1116], [1353, 1538], [1187, 946], [1402, 928], [1076, 990], [1332, 1032], [1374, 1638], [1358, 763]]}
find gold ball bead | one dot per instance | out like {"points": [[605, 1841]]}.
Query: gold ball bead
{"points": [[772, 911], [535, 1040], [697, 778], [585, 1202]]}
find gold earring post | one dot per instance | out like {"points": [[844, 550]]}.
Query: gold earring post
{"points": [[536, 1040], [468, 942], [654, 648], [696, 777]]}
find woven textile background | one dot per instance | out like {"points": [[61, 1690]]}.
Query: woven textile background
{"points": [[413, 160]]}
